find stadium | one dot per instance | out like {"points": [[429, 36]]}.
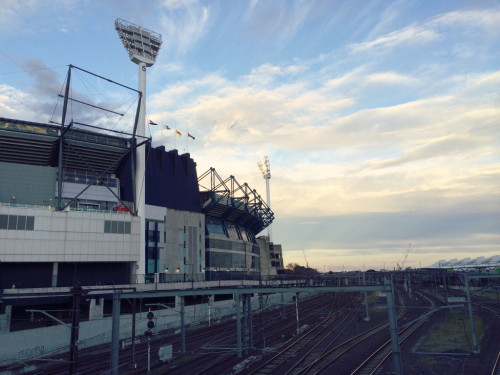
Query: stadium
{"points": [[81, 228], [86, 210]]}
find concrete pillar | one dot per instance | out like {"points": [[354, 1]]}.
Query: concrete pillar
{"points": [[250, 326], [393, 327], [177, 302], [96, 308], [367, 308], [209, 307], [238, 325], [5, 320], [475, 349], [183, 327], [245, 323], [55, 270], [115, 333]]}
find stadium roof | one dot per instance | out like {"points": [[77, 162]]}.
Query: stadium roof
{"points": [[479, 262], [26, 142], [229, 200]]}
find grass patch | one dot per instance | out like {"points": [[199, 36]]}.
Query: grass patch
{"points": [[452, 334], [489, 294]]}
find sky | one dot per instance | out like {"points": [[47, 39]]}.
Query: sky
{"points": [[381, 119]]}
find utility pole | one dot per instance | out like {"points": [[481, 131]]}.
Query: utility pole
{"points": [[393, 326], [75, 327]]}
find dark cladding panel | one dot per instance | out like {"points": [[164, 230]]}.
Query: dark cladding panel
{"points": [[171, 181], [25, 275], [93, 273]]}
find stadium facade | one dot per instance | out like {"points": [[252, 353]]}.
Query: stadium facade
{"points": [[80, 228]]}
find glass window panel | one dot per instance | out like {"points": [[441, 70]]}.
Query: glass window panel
{"points": [[4, 219], [12, 222], [30, 223], [121, 227], [114, 227], [127, 227], [107, 226], [255, 262], [220, 260], [21, 222], [151, 236]]}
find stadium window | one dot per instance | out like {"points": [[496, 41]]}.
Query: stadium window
{"points": [[121, 227], [4, 219], [151, 252], [30, 223], [12, 222], [21, 222], [151, 236]]}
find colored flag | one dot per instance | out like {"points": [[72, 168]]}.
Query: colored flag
{"points": [[152, 123], [166, 127], [190, 136], [178, 132]]}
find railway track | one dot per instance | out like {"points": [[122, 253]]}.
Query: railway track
{"points": [[214, 357], [326, 343], [301, 354], [374, 362]]}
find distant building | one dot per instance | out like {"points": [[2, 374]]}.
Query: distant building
{"points": [[271, 259]]}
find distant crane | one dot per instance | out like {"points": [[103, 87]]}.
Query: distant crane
{"points": [[405, 257], [307, 263]]}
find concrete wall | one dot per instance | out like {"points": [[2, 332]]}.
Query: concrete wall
{"points": [[182, 234], [36, 343], [69, 236]]}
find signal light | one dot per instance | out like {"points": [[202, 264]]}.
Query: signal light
{"points": [[150, 324]]}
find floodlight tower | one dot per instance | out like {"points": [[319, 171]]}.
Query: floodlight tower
{"points": [[265, 169], [142, 46]]}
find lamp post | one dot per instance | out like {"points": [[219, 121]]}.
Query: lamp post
{"points": [[142, 46], [265, 169]]}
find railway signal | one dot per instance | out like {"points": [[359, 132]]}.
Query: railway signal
{"points": [[150, 324]]}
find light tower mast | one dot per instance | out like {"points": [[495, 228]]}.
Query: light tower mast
{"points": [[142, 46], [265, 169]]}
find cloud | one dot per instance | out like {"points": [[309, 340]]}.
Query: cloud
{"points": [[380, 240], [408, 35], [14, 13], [390, 78], [263, 19], [471, 20], [449, 146], [183, 25], [267, 73], [178, 4], [467, 22]]}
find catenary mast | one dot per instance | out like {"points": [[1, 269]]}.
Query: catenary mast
{"points": [[142, 46]]}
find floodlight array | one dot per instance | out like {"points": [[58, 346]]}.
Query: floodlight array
{"points": [[141, 44], [265, 167]]}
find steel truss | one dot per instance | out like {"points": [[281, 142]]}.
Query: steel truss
{"points": [[68, 148], [229, 200]]}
